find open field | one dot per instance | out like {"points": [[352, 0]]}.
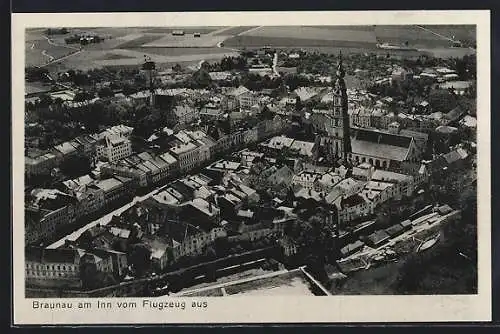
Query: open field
{"points": [[415, 36], [187, 30], [128, 46], [460, 32], [353, 28], [40, 51], [182, 51], [234, 31], [260, 41], [313, 33], [363, 38], [137, 40], [185, 41], [122, 57]]}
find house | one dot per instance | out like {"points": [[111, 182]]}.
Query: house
{"points": [[102, 263], [114, 148], [161, 251], [344, 188], [211, 112], [363, 171], [118, 260], [52, 268], [47, 211], [376, 239], [305, 179], [351, 248], [281, 177], [404, 184], [115, 188], [184, 114], [395, 230], [353, 207], [456, 158], [325, 182], [240, 97]]}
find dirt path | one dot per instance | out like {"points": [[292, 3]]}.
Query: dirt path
{"points": [[249, 30], [439, 35]]}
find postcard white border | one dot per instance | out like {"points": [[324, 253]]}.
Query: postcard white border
{"points": [[265, 309]]}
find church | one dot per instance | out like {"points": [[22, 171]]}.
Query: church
{"points": [[338, 141]]}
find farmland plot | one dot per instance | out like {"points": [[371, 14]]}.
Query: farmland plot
{"points": [[259, 41], [234, 31], [186, 30], [187, 41], [40, 52], [415, 36], [460, 32], [314, 33]]}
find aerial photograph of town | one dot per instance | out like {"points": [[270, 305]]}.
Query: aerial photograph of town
{"points": [[250, 161]]}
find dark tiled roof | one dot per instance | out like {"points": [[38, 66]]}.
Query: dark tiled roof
{"points": [[452, 157], [33, 254], [379, 144], [352, 201], [60, 255], [394, 230], [382, 138], [378, 236], [455, 113]]}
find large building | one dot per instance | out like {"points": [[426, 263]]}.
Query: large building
{"points": [[114, 148], [382, 149], [338, 140]]}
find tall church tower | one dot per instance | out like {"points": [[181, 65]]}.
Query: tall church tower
{"points": [[341, 137]]}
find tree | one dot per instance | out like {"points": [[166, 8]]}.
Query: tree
{"points": [[34, 73], [140, 258], [45, 101], [201, 79], [105, 92], [316, 240], [83, 96], [177, 68], [75, 166], [442, 100], [128, 89], [93, 118]]}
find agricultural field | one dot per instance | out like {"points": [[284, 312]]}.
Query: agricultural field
{"points": [[39, 51], [123, 47], [187, 30], [415, 36], [182, 51], [128, 46], [292, 42], [232, 31], [314, 33], [187, 41], [460, 32]]}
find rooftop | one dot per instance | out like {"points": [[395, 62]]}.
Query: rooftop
{"points": [[108, 184], [183, 148]]}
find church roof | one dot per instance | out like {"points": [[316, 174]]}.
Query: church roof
{"points": [[380, 145], [376, 150]]}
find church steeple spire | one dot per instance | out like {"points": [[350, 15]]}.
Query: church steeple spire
{"points": [[340, 68], [340, 113]]}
